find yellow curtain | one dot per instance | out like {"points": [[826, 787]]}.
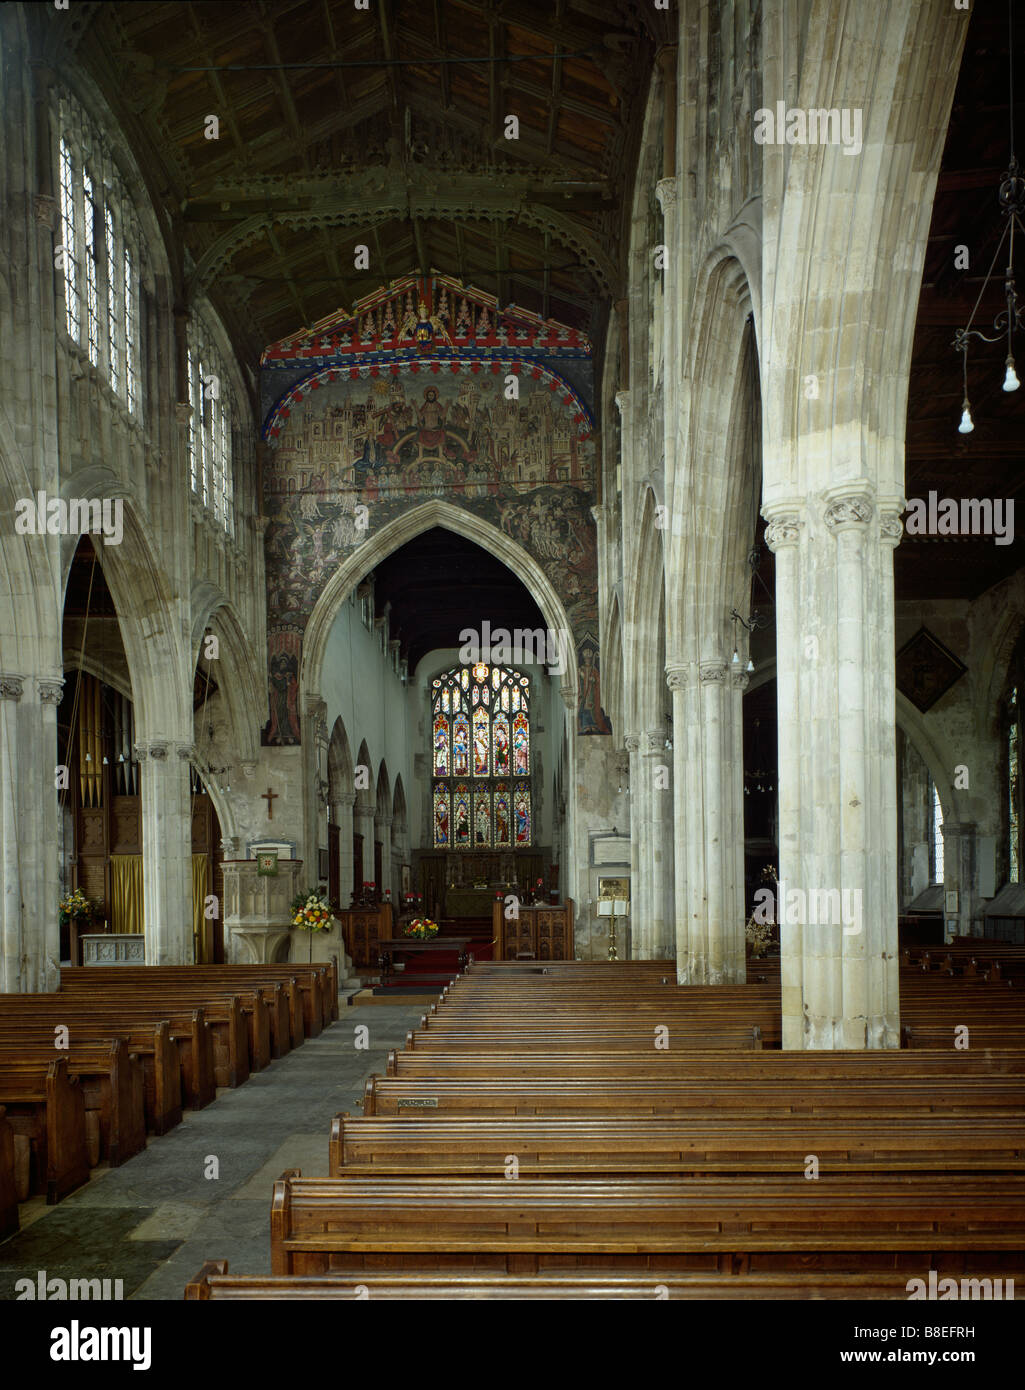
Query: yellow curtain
{"points": [[202, 930], [126, 893]]}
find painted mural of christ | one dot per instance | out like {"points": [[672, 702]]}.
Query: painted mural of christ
{"points": [[431, 416]]}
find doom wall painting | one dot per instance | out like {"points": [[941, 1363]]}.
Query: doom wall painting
{"points": [[426, 391]]}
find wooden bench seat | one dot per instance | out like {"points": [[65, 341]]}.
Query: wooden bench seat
{"points": [[188, 1029], [112, 1086], [321, 1225], [47, 1107], [362, 1147], [632, 1039], [239, 1022], [150, 1042], [215, 1282], [645, 1095]]}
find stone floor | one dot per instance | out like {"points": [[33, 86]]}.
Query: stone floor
{"points": [[155, 1220]]}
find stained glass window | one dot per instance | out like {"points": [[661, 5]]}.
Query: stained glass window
{"points": [[460, 746], [442, 831], [481, 747], [441, 748], [503, 837], [461, 816]]}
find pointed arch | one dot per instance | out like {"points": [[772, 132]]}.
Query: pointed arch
{"points": [[244, 686], [378, 546], [340, 771]]}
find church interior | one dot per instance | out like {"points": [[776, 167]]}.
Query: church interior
{"points": [[512, 640]]}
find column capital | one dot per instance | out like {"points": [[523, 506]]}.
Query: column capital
{"points": [[655, 740], [631, 742], [50, 690], [712, 672], [248, 769], [891, 528], [666, 191], [740, 680], [345, 799], [677, 676], [624, 400], [45, 207], [11, 687], [853, 510], [383, 821], [784, 529]]}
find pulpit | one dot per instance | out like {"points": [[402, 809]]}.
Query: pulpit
{"points": [[257, 910], [541, 932]]}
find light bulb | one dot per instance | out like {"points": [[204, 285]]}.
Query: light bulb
{"points": [[121, 758], [750, 665], [106, 760], [736, 658], [88, 757], [1011, 382], [967, 423]]}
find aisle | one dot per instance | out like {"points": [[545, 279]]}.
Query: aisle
{"points": [[156, 1219]]}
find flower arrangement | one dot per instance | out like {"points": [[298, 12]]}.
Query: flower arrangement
{"points": [[422, 928], [76, 907], [311, 911], [760, 934]]}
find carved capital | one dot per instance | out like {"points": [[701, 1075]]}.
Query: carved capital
{"points": [[383, 821], [248, 769], [623, 400], [848, 511], [665, 192], [11, 687], [155, 752], [712, 673], [230, 846], [345, 799], [50, 691], [185, 751], [740, 680], [655, 740], [46, 211], [631, 743], [891, 528], [677, 677], [782, 531]]}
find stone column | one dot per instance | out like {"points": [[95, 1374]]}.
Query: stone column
{"points": [[343, 804], [666, 191], [837, 776], [659, 796], [736, 905], [640, 914], [166, 850], [960, 874], [363, 824], [383, 829], [29, 933], [677, 679]]}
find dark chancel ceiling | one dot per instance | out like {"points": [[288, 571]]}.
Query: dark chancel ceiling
{"points": [[385, 127], [439, 584], [990, 462]]}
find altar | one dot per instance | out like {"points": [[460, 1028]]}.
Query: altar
{"points": [[469, 902]]}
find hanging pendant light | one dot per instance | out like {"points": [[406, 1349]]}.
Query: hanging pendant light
{"points": [[1011, 197]]}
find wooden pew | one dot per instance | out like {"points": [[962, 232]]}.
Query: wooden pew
{"points": [[322, 1225], [8, 1187], [240, 1030], [563, 1096], [187, 1029], [113, 1089], [215, 1282], [365, 1147], [48, 1108]]}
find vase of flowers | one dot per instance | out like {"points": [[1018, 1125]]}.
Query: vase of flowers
{"points": [[420, 929], [312, 912], [76, 908]]}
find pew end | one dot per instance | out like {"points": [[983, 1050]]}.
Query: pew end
{"points": [[198, 1288]]}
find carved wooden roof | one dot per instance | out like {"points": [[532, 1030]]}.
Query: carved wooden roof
{"points": [[386, 128]]}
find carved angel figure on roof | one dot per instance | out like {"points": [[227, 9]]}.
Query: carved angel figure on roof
{"points": [[422, 327]]}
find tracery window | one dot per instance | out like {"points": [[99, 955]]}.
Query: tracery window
{"points": [[481, 758], [209, 437], [99, 237]]}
